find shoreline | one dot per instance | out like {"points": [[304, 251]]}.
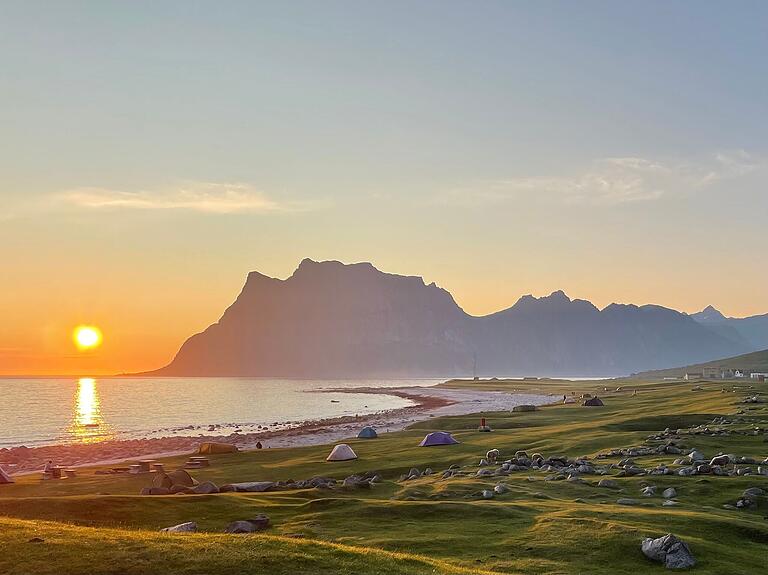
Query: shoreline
{"points": [[428, 402]]}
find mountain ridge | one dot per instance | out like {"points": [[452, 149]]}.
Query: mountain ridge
{"points": [[331, 320]]}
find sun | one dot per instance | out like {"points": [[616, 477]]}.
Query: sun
{"points": [[87, 337]]}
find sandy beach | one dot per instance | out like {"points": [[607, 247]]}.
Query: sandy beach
{"points": [[428, 402]]}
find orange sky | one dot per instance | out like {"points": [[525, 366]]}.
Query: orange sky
{"points": [[151, 158]]}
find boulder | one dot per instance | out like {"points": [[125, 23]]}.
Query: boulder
{"points": [[487, 494], [181, 489], [500, 489], [189, 527], [258, 523], [249, 486], [696, 455], [608, 483], [155, 491], [206, 488], [181, 477], [720, 460], [649, 491], [669, 493], [669, 550], [626, 501]]}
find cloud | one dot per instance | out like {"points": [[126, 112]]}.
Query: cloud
{"points": [[217, 198], [612, 181]]}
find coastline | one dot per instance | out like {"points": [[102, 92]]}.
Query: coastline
{"points": [[428, 402]]}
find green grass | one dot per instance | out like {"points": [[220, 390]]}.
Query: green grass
{"points": [[98, 524]]}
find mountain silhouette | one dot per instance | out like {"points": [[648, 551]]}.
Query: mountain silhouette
{"points": [[335, 320], [753, 330]]}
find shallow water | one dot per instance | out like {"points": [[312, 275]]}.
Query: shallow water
{"points": [[70, 410]]}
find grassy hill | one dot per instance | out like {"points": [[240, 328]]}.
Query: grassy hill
{"points": [[755, 361], [95, 524]]}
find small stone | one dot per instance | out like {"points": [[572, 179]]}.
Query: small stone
{"points": [[189, 527], [669, 493]]}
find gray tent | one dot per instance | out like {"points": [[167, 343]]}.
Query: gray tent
{"points": [[367, 432]]}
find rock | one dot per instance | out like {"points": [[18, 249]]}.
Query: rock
{"points": [[696, 455], [189, 527], [519, 408], [485, 473], [669, 550], [414, 473], [181, 489], [36, 540], [155, 491], [500, 489], [669, 493], [720, 460], [753, 493], [249, 486], [626, 501], [649, 491], [669, 503], [206, 488], [180, 477], [487, 494], [608, 483], [483, 462], [258, 523]]}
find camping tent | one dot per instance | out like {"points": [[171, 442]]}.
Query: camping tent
{"points": [[341, 452], [593, 402], [213, 447], [4, 477], [437, 438], [367, 433]]}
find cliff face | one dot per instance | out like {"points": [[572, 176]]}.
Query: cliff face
{"points": [[331, 320]]}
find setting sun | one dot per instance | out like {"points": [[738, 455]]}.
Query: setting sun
{"points": [[87, 337]]}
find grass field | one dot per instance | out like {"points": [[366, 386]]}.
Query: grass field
{"points": [[99, 524]]}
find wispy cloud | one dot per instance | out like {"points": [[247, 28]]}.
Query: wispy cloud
{"points": [[217, 198], [611, 181]]}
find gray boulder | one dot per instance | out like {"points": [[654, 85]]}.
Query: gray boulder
{"points": [[669, 493], [669, 550], [608, 483], [189, 527], [249, 486], [258, 523], [626, 501], [206, 488]]}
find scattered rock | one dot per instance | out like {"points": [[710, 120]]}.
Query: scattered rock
{"points": [[669, 493], [626, 501], [258, 523], [205, 488], [608, 483], [189, 527], [669, 550]]}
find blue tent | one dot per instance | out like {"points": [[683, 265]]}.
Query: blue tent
{"points": [[367, 433], [437, 438]]}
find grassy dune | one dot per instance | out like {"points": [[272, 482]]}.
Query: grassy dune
{"points": [[98, 524]]}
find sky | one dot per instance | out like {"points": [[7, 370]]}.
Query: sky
{"points": [[152, 153]]}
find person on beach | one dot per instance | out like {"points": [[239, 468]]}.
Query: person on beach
{"points": [[258, 445], [48, 467]]}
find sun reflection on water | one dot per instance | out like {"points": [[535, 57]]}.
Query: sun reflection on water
{"points": [[88, 425]]}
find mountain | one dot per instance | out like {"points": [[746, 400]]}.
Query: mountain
{"points": [[757, 361], [750, 330], [332, 320]]}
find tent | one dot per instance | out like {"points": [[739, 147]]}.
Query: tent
{"points": [[213, 447], [342, 452], [367, 433], [4, 477], [593, 402], [437, 438]]}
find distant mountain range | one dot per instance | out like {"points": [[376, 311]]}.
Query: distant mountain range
{"points": [[751, 331], [331, 320]]}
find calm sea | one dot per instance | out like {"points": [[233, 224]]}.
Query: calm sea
{"points": [[48, 411]]}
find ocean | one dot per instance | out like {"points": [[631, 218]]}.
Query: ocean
{"points": [[45, 411]]}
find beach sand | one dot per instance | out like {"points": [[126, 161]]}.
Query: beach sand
{"points": [[428, 402]]}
